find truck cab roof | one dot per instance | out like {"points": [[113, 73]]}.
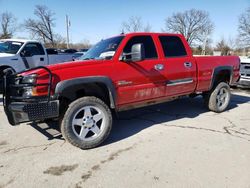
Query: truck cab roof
{"points": [[19, 40]]}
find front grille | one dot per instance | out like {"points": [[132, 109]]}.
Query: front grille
{"points": [[245, 69]]}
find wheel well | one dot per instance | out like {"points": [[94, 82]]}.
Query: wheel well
{"points": [[4, 67], [98, 90], [222, 76]]}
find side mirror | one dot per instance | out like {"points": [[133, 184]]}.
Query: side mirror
{"points": [[25, 53], [137, 53]]}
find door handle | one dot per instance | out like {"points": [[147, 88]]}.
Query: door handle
{"points": [[159, 67], [41, 59], [188, 64]]}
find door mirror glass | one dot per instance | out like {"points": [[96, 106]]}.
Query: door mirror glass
{"points": [[137, 52]]}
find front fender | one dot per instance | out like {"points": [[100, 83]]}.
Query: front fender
{"points": [[77, 83]]}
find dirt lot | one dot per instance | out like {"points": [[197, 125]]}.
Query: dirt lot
{"points": [[176, 144]]}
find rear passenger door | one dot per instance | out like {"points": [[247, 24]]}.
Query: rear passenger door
{"points": [[139, 81], [180, 68]]}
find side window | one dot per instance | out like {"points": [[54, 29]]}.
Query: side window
{"points": [[172, 46], [33, 49], [40, 49], [147, 41]]}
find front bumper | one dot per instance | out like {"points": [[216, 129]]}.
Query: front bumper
{"points": [[20, 112], [20, 109], [245, 82]]}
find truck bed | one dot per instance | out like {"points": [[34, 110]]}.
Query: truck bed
{"points": [[206, 65]]}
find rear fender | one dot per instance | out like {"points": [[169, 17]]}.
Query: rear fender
{"points": [[219, 70]]}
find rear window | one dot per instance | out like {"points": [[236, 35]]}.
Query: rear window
{"points": [[172, 46]]}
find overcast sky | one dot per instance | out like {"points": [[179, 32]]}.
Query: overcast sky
{"points": [[94, 20]]}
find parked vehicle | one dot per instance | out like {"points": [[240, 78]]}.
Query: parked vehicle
{"points": [[77, 55], [21, 54], [80, 53], [244, 73], [83, 50], [120, 73], [51, 51], [68, 51]]}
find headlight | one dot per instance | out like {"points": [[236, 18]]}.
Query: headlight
{"points": [[29, 79], [29, 90]]}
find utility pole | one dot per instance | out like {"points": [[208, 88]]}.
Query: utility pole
{"points": [[205, 43], [67, 28]]}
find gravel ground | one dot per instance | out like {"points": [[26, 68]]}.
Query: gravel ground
{"points": [[175, 144]]}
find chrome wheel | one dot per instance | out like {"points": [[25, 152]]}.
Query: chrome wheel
{"points": [[88, 123], [221, 98], [218, 99]]}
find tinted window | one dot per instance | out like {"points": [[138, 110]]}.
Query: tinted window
{"points": [[147, 41], [172, 46], [34, 49]]}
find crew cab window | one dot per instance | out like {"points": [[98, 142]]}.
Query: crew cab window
{"points": [[147, 41], [33, 49], [172, 46]]}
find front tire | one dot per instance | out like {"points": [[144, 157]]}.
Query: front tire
{"points": [[87, 122], [1, 81], [218, 99]]}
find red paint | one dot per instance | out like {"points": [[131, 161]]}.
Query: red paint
{"points": [[146, 83]]}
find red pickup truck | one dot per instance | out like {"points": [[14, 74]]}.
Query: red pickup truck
{"points": [[120, 73]]}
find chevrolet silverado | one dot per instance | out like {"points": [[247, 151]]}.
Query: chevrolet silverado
{"points": [[119, 73]]}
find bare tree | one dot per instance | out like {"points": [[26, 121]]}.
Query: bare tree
{"points": [[194, 24], [244, 27], [8, 22], [42, 26], [135, 24], [82, 44], [223, 46], [233, 43]]}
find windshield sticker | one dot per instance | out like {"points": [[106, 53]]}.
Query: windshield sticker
{"points": [[17, 43], [107, 54]]}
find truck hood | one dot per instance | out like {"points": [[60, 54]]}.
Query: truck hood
{"points": [[71, 64], [66, 65], [6, 55], [5, 58], [246, 60]]}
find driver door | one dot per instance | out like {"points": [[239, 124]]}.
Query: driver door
{"points": [[141, 80], [34, 55]]}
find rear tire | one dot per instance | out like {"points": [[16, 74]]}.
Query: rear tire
{"points": [[87, 122], [218, 99]]}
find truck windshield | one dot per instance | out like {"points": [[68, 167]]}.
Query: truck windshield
{"points": [[10, 47], [105, 49]]}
